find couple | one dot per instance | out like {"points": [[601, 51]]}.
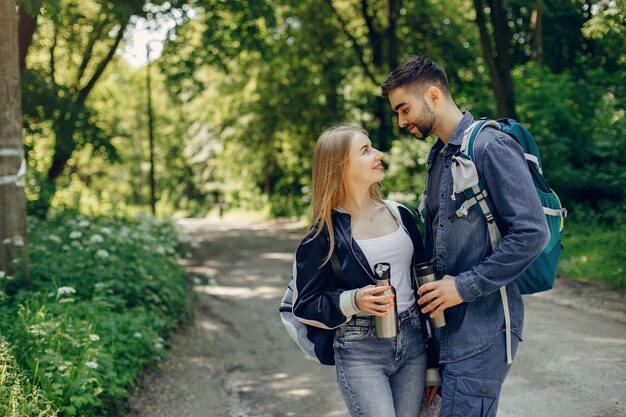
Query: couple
{"points": [[387, 377]]}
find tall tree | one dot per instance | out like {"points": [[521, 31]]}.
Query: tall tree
{"points": [[76, 42], [13, 235], [498, 52], [377, 52]]}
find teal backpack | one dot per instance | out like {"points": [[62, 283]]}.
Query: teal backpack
{"points": [[541, 274]]}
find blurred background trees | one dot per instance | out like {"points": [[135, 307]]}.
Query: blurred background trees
{"points": [[243, 88]]}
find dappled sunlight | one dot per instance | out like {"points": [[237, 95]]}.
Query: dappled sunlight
{"points": [[201, 270], [241, 292], [281, 256], [303, 392], [207, 325], [606, 340]]}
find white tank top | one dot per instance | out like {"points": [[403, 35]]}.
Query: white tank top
{"points": [[397, 250]]}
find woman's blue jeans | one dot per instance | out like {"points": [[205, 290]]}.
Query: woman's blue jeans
{"points": [[381, 377]]}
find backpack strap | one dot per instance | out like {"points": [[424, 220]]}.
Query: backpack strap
{"points": [[478, 195], [334, 261]]}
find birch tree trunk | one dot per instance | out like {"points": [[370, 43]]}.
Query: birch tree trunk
{"points": [[13, 242]]}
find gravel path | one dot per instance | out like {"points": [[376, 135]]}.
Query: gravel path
{"points": [[236, 360]]}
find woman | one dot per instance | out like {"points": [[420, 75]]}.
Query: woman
{"points": [[377, 377]]}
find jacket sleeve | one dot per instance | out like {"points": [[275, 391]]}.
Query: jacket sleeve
{"points": [[316, 298], [503, 168]]}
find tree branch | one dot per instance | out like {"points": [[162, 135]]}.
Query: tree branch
{"points": [[373, 35], [26, 29], [84, 92], [360, 53], [89, 50], [52, 49]]}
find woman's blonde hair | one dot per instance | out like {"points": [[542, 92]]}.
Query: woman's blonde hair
{"points": [[330, 189]]}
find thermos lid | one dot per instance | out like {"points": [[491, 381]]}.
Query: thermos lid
{"points": [[382, 270], [423, 269]]}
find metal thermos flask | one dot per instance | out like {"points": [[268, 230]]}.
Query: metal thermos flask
{"points": [[386, 326], [425, 272]]}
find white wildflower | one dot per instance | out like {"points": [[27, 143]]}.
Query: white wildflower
{"points": [[96, 239], [94, 337], [65, 247], [138, 335], [55, 238], [2, 274], [91, 365], [102, 253], [106, 230], [158, 345], [7, 241], [36, 330], [18, 241], [84, 223], [65, 290], [75, 234], [99, 285]]}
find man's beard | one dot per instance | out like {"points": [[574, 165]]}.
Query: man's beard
{"points": [[425, 122]]}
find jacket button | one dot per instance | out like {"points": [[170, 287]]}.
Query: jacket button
{"points": [[484, 389]]}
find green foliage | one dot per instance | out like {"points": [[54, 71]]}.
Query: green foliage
{"points": [[243, 89], [579, 126], [18, 396], [592, 251], [105, 295]]}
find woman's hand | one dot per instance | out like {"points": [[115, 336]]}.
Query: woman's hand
{"points": [[368, 301], [430, 393]]}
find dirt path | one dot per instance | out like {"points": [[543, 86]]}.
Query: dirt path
{"points": [[237, 361]]}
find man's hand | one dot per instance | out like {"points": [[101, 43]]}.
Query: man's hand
{"points": [[439, 295]]}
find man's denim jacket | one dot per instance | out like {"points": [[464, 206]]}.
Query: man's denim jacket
{"points": [[462, 248]]}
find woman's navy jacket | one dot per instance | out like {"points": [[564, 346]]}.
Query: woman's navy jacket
{"points": [[316, 293]]}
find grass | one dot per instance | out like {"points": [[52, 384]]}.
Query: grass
{"points": [[594, 252]]}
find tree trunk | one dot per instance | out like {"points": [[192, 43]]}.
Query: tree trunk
{"points": [[26, 28], [500, 60], [377, 40], [13, 237]]}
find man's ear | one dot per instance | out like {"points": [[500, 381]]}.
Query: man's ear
{"points": [[433, 95]]}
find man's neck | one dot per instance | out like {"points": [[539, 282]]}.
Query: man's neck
{"points": [[447, 123]]}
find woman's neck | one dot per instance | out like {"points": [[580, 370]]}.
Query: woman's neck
{"points": [[360, 203]]}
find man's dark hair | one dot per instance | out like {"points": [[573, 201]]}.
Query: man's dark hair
{"points": [[416, 71]]}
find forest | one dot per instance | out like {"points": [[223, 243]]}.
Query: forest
{"points": [[219, 108]]}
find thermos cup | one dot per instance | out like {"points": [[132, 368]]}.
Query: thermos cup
{"points": [[386, 326], [424, 273]]}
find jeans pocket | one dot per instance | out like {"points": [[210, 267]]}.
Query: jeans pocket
{"points": [[352, 333], [476, 396]]}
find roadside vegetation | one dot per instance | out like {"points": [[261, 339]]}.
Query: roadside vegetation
{"points": [[104, 298]]}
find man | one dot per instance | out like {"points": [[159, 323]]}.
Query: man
{"points": [[474, 343]]}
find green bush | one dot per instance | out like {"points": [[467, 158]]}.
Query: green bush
{"points": [[105, 295], [593, 251]]}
